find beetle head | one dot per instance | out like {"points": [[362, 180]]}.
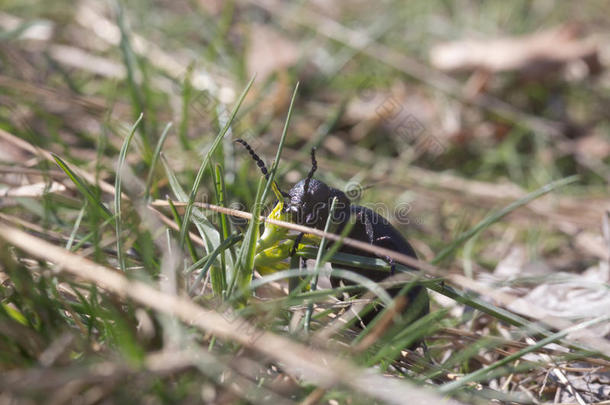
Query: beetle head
{"points": [[309, 203]]}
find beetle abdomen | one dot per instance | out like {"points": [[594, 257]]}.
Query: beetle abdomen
{"points": [[373, 228]]}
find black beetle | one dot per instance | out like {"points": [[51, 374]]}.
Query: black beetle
{"points": [[308, 203]]}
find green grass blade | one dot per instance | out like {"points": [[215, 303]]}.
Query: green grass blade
{"points": [[82, 187], [211, 258], [130, 60], [90, 235], [178, 220], [191, 198], [245, 260], [481, 373], [204, 259], [337, 245], [496, 216], [404, 335], [117, 192], [218, 275], [174, 184], [208, 232], [81, 214], [278, 153], [155, 157], [323, 242], [501, 314], [319, 261], [360, 282]]}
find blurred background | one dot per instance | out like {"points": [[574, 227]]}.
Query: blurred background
{"points": [[449, 107], [436, 112]]}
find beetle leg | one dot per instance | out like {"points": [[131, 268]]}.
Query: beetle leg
{"points": [[295, 246]]}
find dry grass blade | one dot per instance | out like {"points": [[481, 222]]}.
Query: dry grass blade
{"points": [[465, 283], [32, 190], [324, 369], [159, 364], [538, 53], [22, 144], [461, 159], [404, 259]]}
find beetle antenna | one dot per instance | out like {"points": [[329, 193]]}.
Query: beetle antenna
{"points": [[260, 164], [257, 159], [314, 167], [314, 164]]}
